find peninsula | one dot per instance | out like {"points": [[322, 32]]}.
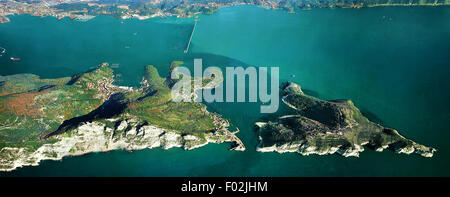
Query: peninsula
{"points": [[47, 119]]}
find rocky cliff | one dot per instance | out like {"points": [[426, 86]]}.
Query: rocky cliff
{"points": [[328, 127]]}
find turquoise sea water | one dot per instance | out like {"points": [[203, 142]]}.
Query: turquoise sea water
{"points": [[393, 62]]}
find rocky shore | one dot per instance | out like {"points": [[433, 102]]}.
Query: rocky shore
{"points": [[328, 127], [98, 137], [87, 113]]}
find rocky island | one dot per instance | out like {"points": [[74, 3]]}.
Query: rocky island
{"points": [[47, 119], [328, 127]]}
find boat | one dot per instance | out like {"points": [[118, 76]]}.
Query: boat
{"points": [[15, 59]]}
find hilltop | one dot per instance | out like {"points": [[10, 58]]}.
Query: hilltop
{"points": [[327, 127], [43, 119]]}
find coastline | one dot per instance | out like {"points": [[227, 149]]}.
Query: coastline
{"points": [[384, 164], [97, 137], [344, 130], [126, 131], [164, 14]]}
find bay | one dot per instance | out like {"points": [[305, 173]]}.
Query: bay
{"points": [[393, 62]]}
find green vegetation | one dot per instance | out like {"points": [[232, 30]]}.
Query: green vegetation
{"points": [[156, 107], [88, 113], [28, 111], [142, 8], [184, 8], [326, 127], [26, 82], [31, 115]]}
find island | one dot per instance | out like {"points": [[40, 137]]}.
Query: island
{"points": [[327, 127], [48, 119]]}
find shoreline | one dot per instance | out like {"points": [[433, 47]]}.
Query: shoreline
{"points": [[91, 138], [124, 131], [164, 15], [307, 134]]}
